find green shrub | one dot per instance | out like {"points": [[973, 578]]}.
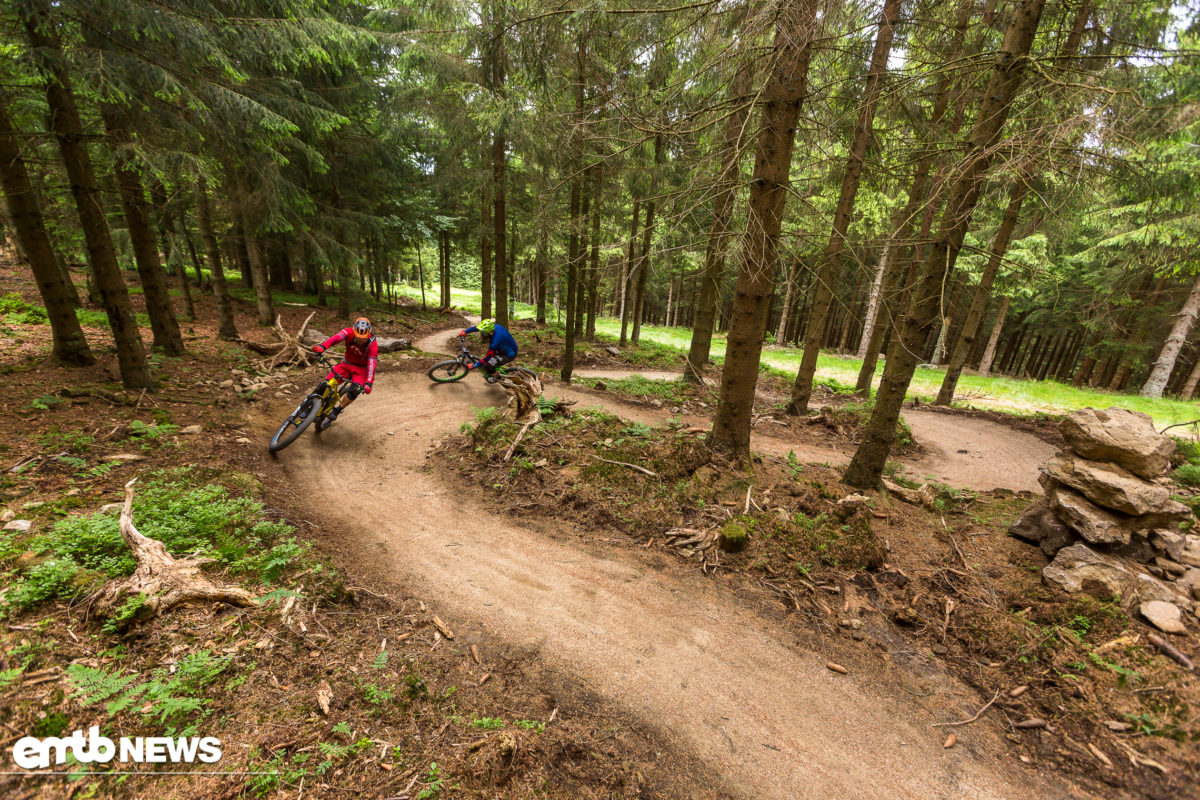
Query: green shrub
{"points": [[16, 311], [182, 510], [46, 581], [1188, 474]]}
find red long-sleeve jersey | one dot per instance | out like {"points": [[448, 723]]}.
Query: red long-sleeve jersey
{"points": [[356, 355]]}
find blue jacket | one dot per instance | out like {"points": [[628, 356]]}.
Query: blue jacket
{"points": [[501, 342]]}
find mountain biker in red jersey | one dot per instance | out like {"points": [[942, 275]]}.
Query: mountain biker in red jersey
{"points": [[358, 367]]}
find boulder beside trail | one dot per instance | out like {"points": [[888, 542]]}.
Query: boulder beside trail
{"points": [[1079, 568], [1111, 486], [1095, 524], [1121, 436]]}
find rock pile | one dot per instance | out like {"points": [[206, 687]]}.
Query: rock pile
{"points": [[1109, 521]]}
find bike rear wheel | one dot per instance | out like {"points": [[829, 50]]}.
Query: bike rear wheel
{"points": [[294, 425], [447, 372]]}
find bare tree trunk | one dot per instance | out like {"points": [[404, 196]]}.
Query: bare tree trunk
{"points": [[869, 459], [873, 300], [499, 166], [982, 292], [1175, 339], [485, 239], [989, 354], [69, 344], [543, 253], [574, 257], [643, 270], [630, 270], [68, 130], [792, 275], [1193, 378], [827, 275], [593, 282], [781, 98], [141, 236], [718, 234]]}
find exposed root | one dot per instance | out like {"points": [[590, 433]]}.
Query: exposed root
{"points": [[523, 393], [289, 350], [164, 580]]}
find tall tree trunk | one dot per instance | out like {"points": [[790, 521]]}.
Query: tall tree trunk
{"points": [[630, 270], [69, 344], [543, 255], [585, 212], [864, 340], [793, 274], [827, 274], [1189, 386], [730, 154], [1184, 321], [869, 459], [593, 282], [573, 250], [485, 238], [499, 165], [643, 269], [68, 130], [903, 258], [226, 326], [781, 98], [982, 292], [989, 354], [141, 236]]}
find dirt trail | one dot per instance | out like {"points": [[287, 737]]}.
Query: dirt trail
{"points": [[677, 650], [960, 451]]}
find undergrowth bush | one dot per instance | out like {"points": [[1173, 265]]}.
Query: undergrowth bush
{"points": [[191, 511]]}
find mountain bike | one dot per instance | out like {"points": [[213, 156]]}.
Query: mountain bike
{"points": [[457, 368], [313, 408]]}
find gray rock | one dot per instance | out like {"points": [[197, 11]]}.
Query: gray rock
{"points": [[612, 350], [1125, 437], [18, 525], [190, 430], [1029, 525], [1164, 616], [1169, 567], [1168, 542], [1190, 583], [390, 345], [1079, 568], [1190, 554], [1058, 535], [1147, 588], [1138, 549], [1095, 524], [1112, 486]]}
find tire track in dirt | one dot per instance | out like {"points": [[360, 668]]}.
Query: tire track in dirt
{"points": [[679, 651]]}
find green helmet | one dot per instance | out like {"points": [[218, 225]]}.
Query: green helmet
{"points": [[486, 326]]}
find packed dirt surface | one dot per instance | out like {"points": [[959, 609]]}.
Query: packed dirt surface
{"points": [[962, 451], [682, 653]]}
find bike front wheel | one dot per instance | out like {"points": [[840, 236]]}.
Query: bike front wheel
{"points": [[447, 372], [294, 425]]}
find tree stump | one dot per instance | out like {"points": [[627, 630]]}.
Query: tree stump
{"points": [[164, 580]]}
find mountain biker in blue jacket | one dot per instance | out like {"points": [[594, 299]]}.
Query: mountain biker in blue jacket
{"points": [[502, 347]]}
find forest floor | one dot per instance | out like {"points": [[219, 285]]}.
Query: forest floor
{"points": [[590, 657], [411, 712]]}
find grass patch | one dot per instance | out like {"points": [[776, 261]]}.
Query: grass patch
{"points": [[672, 392]]}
